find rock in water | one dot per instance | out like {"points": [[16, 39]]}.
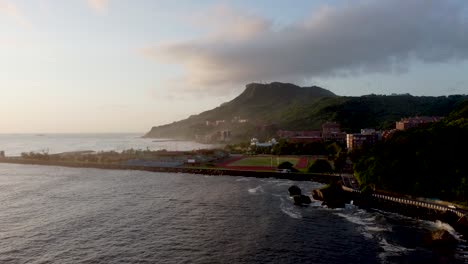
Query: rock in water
{"points": [[301, 199], [333, 195], [317, 194], [440, 239], [294, 190], [306, 199]]}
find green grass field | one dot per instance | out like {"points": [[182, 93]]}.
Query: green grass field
{"points": [[263, 161]]}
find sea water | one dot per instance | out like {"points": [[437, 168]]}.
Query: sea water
{"points": [[15, 144], [76, 215]]}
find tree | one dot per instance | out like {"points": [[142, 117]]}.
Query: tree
{"points": [[285, 165], [340, 162], [321, 166]]}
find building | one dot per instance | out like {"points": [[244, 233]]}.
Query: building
{"points": [[220, 122], [388, 133], [418, 121], [303, 136], [255, 142], [304, 139], [367, 131], [218, 136], [331, 131], [238, 119], [354, 141], [302, 133], [330, 128], [225, 135], [338, 137], [215, 123]]}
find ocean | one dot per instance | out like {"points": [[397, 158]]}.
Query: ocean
{"points": [[15, 144], [78, 215]]}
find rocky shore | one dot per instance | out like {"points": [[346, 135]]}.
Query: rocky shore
{"points": [[336, 196]]}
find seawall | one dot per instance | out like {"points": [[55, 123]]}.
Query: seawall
{"points": [[457, 218], [321, 178]]}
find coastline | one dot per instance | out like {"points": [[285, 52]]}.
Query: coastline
{"points": [[321, 178]]}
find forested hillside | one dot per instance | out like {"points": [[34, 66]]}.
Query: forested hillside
{"points": [[429, 161]]}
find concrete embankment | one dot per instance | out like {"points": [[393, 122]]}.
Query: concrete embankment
{"points": [[322, 178], [336, 195], [458, 219]]}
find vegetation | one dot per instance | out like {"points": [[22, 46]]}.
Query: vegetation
{"points": [[264, 161], [287, 148], [35, 155], [429, 161], [286, 165], [206, 155], [321, 166]]}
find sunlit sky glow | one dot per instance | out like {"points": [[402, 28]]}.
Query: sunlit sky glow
{"points": [[124, 66]]}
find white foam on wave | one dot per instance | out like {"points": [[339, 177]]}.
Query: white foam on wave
{"points": [[391, 250], [290, 209], [367, 225], [370, 230], [258, 189], [353, 219], [376, 229], [441, 225], [242, 179]]}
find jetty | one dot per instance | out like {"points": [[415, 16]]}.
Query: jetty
{"points": [[215, 171]]}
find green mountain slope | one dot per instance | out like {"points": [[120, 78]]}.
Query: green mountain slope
{"points": [[428, 161], [288, 106]]}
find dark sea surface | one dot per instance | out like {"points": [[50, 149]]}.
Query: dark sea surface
{"points": [[14, 144], [67, 215]]}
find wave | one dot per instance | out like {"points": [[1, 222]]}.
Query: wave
{"points": [[258, 189], [290, 209], [371, 228], [242, 179], [391, 250]]}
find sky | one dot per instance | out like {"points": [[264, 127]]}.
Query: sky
{"points": [[97, 66]]}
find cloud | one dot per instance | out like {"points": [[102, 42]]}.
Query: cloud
{"points": [[99, 6], [10, 9], [360, 37], [226, 22]]}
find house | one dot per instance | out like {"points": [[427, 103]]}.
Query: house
{"points": [[301, 136], [354, 141], [255, 142], [218, 136], [330, 128], [302, 133], [220, 122], [331, 131], [418, 121], [238, 119]]}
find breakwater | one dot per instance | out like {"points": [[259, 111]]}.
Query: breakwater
{"points": [[457, 218], [321, 178]]}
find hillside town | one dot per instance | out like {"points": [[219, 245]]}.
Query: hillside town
{"points": [[330, 132]]}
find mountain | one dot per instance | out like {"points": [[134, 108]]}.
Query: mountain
{"points": [[269, 107]]}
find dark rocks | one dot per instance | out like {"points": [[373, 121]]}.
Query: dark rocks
{"points": [[462, 226], [294, 190], [302, 199], [333, 195], [318, 195], [299, 199], [440, 239]]}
